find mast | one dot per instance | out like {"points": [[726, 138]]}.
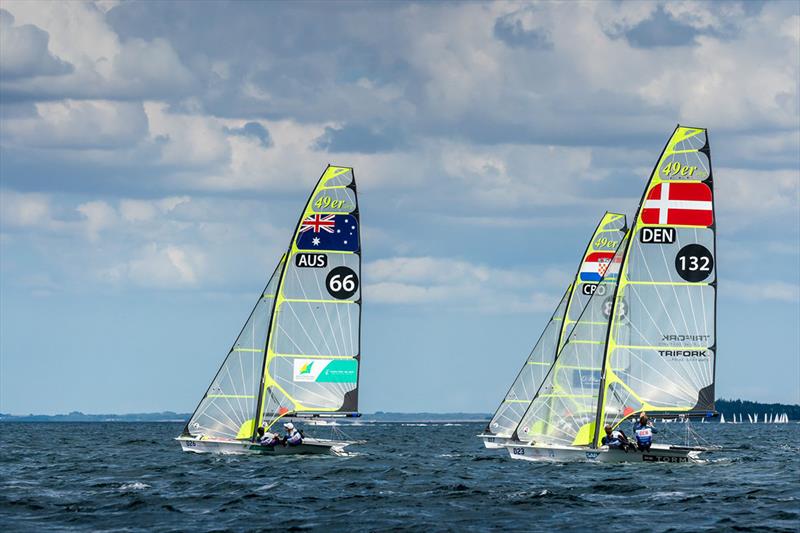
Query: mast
{"points": [[260, 401]]}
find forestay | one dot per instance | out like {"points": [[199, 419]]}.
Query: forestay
{"points": [[661, 350], [299, 352], [595, 260]]}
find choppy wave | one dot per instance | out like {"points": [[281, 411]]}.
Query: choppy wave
{"points": [[134, 477]]}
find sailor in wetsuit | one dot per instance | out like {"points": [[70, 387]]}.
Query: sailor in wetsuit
{"points": [[615, 439], [293, 437], [644, 430]]}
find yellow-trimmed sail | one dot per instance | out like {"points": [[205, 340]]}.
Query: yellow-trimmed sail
{"points": [[299, 350], [601, 246], [312, 356], [661, 349]]}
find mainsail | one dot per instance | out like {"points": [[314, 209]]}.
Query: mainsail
{"points": [[646, 342], [298, 353], [596, 259], [661, 348]]}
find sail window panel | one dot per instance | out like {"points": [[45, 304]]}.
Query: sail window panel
{"points": [[342, 177], [684, 165], [276, 405], [667, 316], [315, 328], [315, 383], [579, 301], [620, 403], [567, 400], [665, 379], [231, 399], [311, 282], [649, 262], [529, 379], [254, 334], [334, 201]]}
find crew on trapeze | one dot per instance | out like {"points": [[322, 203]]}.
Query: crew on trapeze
{"points": [[644, 430], [292, 438], [616, 439]]}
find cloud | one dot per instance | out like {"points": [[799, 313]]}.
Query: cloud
{"points": [[99, 216], [766, 291], [526, 28], [100, 65], [453, 283], [254, 130], [24, 51], [358, 139], [79, 125], [159, 266]]}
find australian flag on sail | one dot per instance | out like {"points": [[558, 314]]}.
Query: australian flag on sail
{"points": [[328, 232]]}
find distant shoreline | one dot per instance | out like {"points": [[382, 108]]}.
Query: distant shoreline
{"points": [[725, 407]]}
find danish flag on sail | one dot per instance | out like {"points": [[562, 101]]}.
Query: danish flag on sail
{"points": [[679, 204]]}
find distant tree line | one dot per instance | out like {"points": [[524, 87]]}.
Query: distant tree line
{"points": [[745, 407]]}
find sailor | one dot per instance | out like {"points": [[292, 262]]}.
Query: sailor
{"points": [[616, 439], [267, 439], [644, 430], [293, 437]]}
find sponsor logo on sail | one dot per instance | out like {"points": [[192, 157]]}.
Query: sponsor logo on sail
{"points": [[683, 353]]}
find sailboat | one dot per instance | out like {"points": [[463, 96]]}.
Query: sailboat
{"points": [[722, 418], [594, 264], [298, 354], [648, 343]]}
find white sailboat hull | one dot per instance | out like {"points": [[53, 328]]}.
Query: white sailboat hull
{"points": [[237, 447], [493, 442], [659, 453]]}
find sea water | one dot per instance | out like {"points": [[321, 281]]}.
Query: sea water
{"points": [[428, 477]]}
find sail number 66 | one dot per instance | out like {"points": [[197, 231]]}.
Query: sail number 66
{"points": [[342, 282]]}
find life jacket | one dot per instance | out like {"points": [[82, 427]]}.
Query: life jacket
{"points": [[294, 438], [644, 434]]}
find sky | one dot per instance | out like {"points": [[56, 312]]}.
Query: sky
{"points": [[154, 157]]}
